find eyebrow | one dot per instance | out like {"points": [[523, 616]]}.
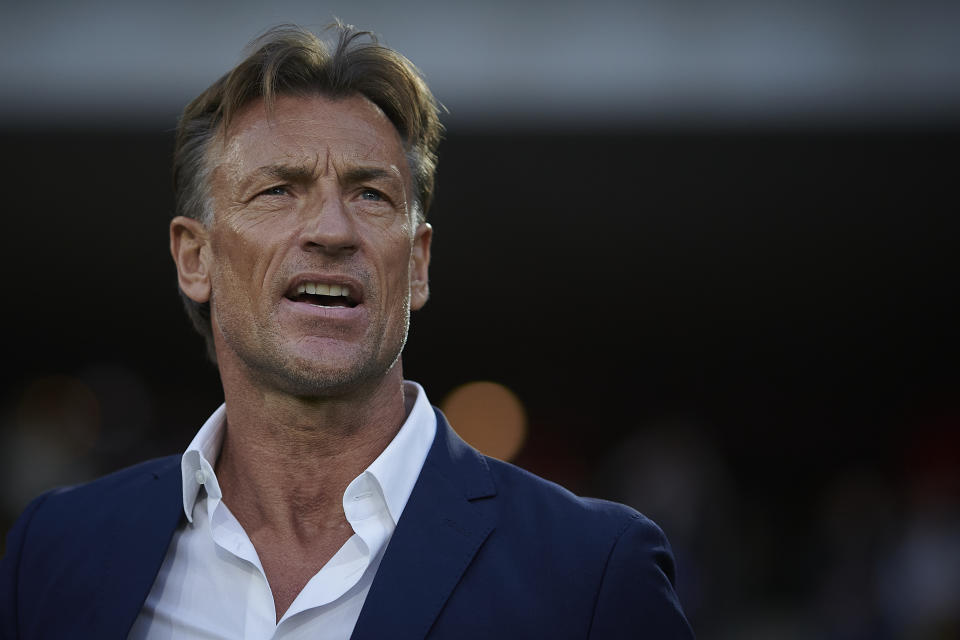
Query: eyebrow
{"points": [[362, 174], [300, 174], [295, 174], [287, 173]]}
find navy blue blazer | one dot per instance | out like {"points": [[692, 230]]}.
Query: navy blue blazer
{"points": [[483, 550]]}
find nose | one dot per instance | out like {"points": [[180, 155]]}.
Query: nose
{"points": [[329, 228]]}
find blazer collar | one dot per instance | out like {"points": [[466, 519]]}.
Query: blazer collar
{"points": [[442, 527]]}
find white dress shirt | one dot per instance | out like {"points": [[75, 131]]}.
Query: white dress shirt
{"points": [[211, 583]]}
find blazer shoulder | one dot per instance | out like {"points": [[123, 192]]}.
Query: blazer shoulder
{"points": [[100, 500], [148, 469], [522, 489], [582, 567], [90, 551], [528, 508]]}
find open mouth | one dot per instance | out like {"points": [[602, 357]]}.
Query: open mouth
{"points": [[323, 295]]}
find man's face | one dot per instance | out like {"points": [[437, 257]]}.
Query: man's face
{"points": [[314, 256]]}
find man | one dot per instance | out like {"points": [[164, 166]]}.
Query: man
{"points": [[325, 498]]}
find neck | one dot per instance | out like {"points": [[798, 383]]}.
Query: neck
{"points": [[286, 461]]}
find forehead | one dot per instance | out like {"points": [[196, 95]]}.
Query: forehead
{"points": [[314, 130]]}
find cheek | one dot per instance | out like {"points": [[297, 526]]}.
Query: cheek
{"points": [[398, 268], [242, 263], [399, 284]]}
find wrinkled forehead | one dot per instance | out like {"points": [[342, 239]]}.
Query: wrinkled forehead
{"points": [[304, 130]]}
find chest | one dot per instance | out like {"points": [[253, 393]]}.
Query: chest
{"points": [[214, 577], [289, 566]]}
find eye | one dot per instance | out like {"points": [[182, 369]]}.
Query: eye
{"points": [[371, 194], [279, 190]]}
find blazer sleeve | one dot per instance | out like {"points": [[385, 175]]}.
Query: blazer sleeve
{"points": [[636, 598], [10, 570]]}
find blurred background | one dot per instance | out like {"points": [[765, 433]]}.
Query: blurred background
{"points": [[696, 257]]}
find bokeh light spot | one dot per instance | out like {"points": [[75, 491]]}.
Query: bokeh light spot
{"points": [[489, 417]]}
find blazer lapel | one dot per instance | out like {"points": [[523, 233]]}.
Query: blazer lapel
{"points": [[141, 537], [442, 527]]}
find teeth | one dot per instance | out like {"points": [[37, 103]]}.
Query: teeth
{"points": [[321, 289]]}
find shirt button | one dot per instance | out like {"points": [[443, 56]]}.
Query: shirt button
{"points": [[200, 476]]}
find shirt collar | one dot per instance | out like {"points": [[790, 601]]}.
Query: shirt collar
{"points": [[395, 470], [199, 458]]}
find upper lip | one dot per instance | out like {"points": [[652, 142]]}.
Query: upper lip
{"points": [[354, 288]]}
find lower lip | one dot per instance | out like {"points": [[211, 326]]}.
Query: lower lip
{"points": [[333, 314]]}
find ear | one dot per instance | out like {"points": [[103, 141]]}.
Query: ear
{"points": [[419, 266], [191, 253]]}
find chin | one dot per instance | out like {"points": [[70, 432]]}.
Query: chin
{"points": [[314, 367], [309, 379]]}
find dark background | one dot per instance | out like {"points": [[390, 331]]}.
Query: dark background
{"points": [[710, 247], [773, 313]]}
